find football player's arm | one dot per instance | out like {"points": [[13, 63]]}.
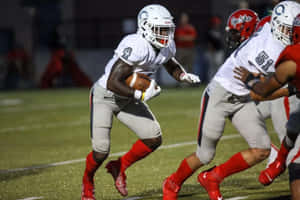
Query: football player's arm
{"points": [[282, 92], [177, 71], [116, 80], [173, 69], [284, 73]]}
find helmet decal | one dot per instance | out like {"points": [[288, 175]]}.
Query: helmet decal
{"points": [[241, 19], [279, 10], [143, 15]]}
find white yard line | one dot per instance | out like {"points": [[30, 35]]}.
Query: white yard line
{"points": [[132, 198], [40, 107], [31, 198], [48, 125], [7, 171], [237, 198]]}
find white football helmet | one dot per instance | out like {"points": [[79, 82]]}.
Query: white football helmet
{"points": [[282, 20], [155, 24]]}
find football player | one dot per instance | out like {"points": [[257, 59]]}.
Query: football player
{"points": [[240, 26], [226, 97], [143, 52], [287, 71]]}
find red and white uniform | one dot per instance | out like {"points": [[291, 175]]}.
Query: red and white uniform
{"points": [[292, 53]]}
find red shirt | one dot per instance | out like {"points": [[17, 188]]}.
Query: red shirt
{"points": [[17, 54], [186, 30], [292, 53]]}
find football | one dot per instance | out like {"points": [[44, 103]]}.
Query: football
{"points": [[138, 81]]}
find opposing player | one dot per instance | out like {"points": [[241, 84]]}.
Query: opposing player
{"points": [[143, 52], [287, 71], [225, 97], [240, 26], [279, 109]]}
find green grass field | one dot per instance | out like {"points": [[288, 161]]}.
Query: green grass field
{"points": [[46, 127]]}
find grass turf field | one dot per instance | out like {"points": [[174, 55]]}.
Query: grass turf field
{"points": [[39, 128]]}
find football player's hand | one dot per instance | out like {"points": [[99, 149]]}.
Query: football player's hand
{"points": [[152, 91], [189, 78], [246, 76]]}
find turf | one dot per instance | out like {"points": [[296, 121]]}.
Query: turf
{"points": [[53, 126]]}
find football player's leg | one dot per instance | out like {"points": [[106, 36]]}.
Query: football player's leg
{"points": [[276, 168], [294, 174], [138, 117], [191, 163], [209, 136], [249, 123], [280, 109], [251, 126], [211, 126], [100, 124]]}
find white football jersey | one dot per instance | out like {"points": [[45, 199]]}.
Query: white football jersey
{"points": [[258, 54], [138, 52]]}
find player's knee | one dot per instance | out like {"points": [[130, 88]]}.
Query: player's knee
{"points": [[205, 158], [205, 155], [260, 154], [101, 146], [153, 143]]}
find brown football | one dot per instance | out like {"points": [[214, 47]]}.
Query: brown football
{"points": [[138, 81]]}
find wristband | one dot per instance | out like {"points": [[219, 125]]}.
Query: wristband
{"points": [[181, 76], [292, 90], [138, 94], [143, 96]]}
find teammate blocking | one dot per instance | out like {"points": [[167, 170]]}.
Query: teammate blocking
{"points": [[225, 97], [143, 52], [287, 71]]}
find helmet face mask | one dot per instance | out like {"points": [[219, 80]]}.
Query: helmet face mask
{"points": [[155, 24], [233, 38], [282, 20]]}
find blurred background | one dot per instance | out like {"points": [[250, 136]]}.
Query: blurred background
{"points": [[67, 43]]}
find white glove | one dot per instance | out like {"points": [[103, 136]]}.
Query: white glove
{"points": [[189, 78], [152, 91]]}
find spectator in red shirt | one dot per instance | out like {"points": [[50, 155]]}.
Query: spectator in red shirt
{"points": [[62, 69], [18, 68], [185, 36]]}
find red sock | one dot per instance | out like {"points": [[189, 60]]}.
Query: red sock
{"points": [[234, 165], [183, 172], [282, 153], [137, 152], [91, 166]]}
